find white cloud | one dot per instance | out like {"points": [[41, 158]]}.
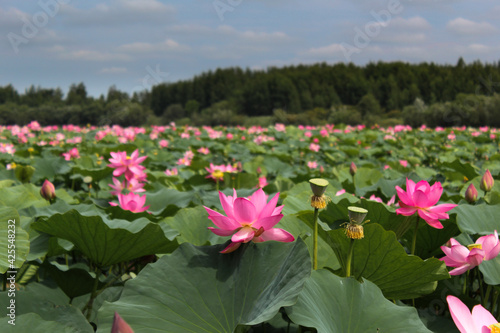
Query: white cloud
{"points": [[113, 70], [91, 55], [12, 18], [325, 51], [413, 23], [168, 45], [463, 26], [120, 12]]}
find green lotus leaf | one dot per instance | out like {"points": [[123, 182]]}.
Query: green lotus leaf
{"points": [[107, 242], [198, 289], [380, 258], [332, 304]]}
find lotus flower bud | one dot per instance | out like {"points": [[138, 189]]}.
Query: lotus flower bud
{"points": [[48, 192], [487, 181], [471, 194], [353, 169], [120, 325]]}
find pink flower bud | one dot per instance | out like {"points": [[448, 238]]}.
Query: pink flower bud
{"points": [[487, 181], [471, 194], [353, 169], [120, 325], [48, 192]]}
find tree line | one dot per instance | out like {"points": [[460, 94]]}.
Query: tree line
{"points": [[382, 92]]}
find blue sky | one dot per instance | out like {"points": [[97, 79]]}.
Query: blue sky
{"points": [[135, 44]]}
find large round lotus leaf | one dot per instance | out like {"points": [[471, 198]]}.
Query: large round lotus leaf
{"points": [[198, 289], [32, 322], [13, 249], [332, 304], [481, 219], [380, 258], [107, 242]]}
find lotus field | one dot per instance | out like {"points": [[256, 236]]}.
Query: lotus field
{"points": [[231, 229]]}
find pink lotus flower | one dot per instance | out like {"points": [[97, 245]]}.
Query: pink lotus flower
{"points": [[471, 194], [216, 172], [204, 151], [120, 325], [479, 321], [72, 154], [465, 258], [490, 245], [312, 164], [133, 202], [421, 198], [132, 185], [403, 163], [173, 172], [262, 182], [314, 147], [248, 219], [461, 257], [130, 165]]}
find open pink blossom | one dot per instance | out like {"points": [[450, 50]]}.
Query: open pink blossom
{"points": [[131, 201], [490, 245], [461, 257], [422, 198], [71, 154], [479, 321], [248, 219], [216, 172], [128, 165]]}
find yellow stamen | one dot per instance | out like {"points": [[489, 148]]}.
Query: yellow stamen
{"points": [[495, 328], [319, 202], [354, 231], [218, 174], [128, 157], [474, 246]]}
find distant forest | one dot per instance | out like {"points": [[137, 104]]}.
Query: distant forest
{"points": [[377, 93]]}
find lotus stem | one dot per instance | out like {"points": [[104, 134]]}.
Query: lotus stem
{"points": [[414, 243], [93, 294], [349, 258], [315, 240]]}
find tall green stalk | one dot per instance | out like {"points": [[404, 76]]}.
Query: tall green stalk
{"points": [[349, 258], [414, 243], [315, 240]]}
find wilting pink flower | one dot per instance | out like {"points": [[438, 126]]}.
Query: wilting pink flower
{"points": [[342, 191], [479, 321], [421, 198], [72, 154], [373, 197], [487, 181], [130, 165], [133, 202], [248, 219], [48, 191], [120, 325], [461, 257]]}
